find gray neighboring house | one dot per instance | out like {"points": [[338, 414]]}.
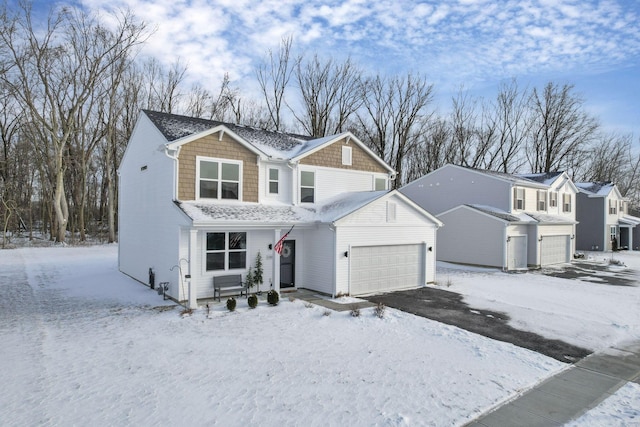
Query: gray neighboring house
{"points": [[602, 212], [501, 220]]}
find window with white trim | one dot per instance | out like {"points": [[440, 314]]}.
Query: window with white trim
{"points": [[226, 251], [566, 202], [391, 212], [553, 199], [346, 155], [307, 186], [612, 207], [518, 198], [542, 200], [218, 179], [273, 180], [622, 206], [613, 232], [380, 184]]}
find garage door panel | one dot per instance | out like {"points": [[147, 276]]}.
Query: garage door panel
{"points": [[384, 268], [554, 250]]}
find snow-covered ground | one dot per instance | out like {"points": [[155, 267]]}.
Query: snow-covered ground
{"points": [[83, 344]]}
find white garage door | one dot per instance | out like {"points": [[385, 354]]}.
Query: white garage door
{"points": [[554, 250], [386, 268], [517, 253]]}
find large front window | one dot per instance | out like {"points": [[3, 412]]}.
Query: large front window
{"points": [[218, 179], [307, 186], [226, 251]]}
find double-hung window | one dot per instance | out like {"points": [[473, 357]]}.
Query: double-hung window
{"points": [[219, 179], [566, 202], [518, 198], [307, 186], [273, 180], [542, 200], [226, 251], [553, 199], [612, 207]]}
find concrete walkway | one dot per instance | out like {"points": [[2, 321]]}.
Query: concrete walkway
{"points": [[324, 301], [569, 394]]}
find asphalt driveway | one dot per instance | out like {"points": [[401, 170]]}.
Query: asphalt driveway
{"points": [[607, 271], [449, 307]]}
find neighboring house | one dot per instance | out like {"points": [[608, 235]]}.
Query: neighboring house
{"points": [[200, 199], [496, 219], [603, 215]]}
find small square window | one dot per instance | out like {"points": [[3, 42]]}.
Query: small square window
{"points": [[380, 184]]}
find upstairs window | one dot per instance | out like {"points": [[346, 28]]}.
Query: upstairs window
{"points": [[380, 184], [622, 207], [307, 187], [273, 181], [518, 198], [542, 200], [346, 155], [566, 202], [226, 251], [612, 207], [218, 179], [553, 199]]}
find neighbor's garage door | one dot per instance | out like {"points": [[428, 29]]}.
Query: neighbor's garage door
{"points": [[386, 268], [554, 250]]}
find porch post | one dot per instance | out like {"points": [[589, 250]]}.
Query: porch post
{"points": [[276, 262], [193, 269]]}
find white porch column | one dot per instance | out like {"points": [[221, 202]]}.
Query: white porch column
{"points": [[276, 261], [193, 269]]}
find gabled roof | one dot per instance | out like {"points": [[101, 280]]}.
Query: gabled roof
{"points": [[546, 178], [329, 211], [502, 176], [178, 130], [596, 189], [520, 218]]}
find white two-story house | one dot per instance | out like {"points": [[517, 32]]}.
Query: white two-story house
{"points": [[200, 199], [501, 220], [604, 220]]}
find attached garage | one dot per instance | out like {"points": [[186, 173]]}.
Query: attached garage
{"points": [[386, 268], [555, 250]]}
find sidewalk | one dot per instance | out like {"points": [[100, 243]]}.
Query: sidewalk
{"points": [[324, 301], [571, 393]]}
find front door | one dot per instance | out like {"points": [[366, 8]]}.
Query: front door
{"points": [[288, 264]]}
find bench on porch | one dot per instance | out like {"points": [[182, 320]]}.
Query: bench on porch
{"points": [[231, 283]]}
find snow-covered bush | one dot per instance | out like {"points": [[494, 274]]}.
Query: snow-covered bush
{"points": [[252, 301], [273, 297]]}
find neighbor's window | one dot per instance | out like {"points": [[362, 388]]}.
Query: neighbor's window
{"points": [[612, 207], [273, 181], [226, 251], [381, 184], [346, 155], [307, 186], [518, 198], [566, 202], [542, 200], [613, 232], [553, 199], [218, 179], [622, 206], [391, 212]]}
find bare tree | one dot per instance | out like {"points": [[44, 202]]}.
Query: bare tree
{"points": [[330, 94], [394, 117], [561, 129], [273, 76], [55, 72]]}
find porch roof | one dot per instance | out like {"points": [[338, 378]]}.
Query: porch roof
{"points": [[629, 220]]}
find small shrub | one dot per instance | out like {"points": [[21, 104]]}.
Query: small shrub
{"points": [[379, 310], [449, 282], [308, 305], [231, 304], [327, 313], [252, 301], [355, 311], [273, 297]]}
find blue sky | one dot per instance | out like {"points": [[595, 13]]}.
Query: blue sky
{"points": [[475, 44]]}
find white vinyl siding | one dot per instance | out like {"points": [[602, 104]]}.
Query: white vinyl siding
{"points": [[517, 252], [331, 182]]}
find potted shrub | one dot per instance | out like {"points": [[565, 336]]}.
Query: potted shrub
{"points": [[231, 304], [273, 297], [252, 300]]}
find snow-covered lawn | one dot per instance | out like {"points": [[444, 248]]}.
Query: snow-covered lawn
{"points": [[83, 344]]}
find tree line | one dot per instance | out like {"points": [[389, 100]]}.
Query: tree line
{"points": [[72, 87]]}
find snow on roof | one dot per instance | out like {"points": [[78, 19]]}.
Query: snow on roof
{"points": [[629, 220], [275, 144], [595, 188], [546, 178], [501, 214], [517, 179], [327, 211], [550, 219]]}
